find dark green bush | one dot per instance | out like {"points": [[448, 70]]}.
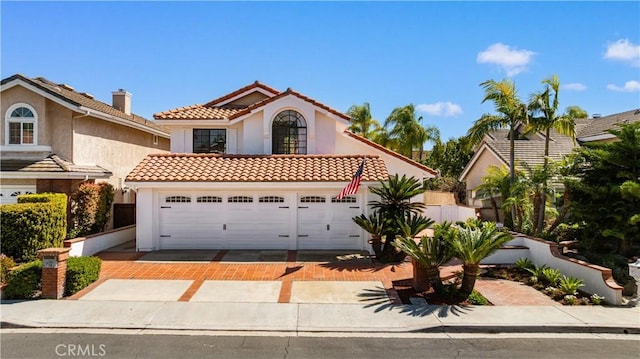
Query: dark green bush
{"points": [[91, 207], [81, 271], [36, 222], [24, 281], [477, 299]]}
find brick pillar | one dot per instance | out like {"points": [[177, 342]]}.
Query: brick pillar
{"points": [[54, 271]]}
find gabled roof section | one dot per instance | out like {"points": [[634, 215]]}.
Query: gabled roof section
{"points": [[601, 125], [51, 164], [80, 100], [245, 90], [191, 167], [219, 110], [390, 152]]}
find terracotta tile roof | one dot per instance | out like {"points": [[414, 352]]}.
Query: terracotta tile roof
{"points": [[600, 126], [390, 152], [52, 163], [197, 112], [69, 95], [210, 111], [237, 92], [191, 167]]}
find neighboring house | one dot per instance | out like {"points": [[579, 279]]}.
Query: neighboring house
{"points": [[494, 150], [53, 138], [259, 169]]}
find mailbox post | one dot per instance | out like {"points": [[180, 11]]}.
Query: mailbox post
{"points": [[634, 272], [54, 271]]}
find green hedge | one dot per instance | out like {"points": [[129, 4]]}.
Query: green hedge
{"points": [[81, 271], [36, 222], [24, 281]]}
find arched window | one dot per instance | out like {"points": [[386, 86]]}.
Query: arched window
{"points": [[289, 134], [22, 124]]}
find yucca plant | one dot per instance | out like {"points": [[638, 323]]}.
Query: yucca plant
{"points": [[472, 245], [570, 285], [537, 271]]}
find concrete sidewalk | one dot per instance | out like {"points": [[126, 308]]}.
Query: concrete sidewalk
{"points": [[290, 317]]}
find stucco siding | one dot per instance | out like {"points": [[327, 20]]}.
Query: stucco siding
{"points": [[252, 135], [325, 133], [116, 148], [58, 125], [478, 171]]}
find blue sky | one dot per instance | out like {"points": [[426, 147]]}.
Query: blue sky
{"points": [[431, 54]]}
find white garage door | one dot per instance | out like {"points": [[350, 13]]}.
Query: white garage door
{"points": [[9, 193], [233, 221], [326, 223]]}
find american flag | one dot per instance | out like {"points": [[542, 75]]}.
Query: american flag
{"points": [[352, 187]]}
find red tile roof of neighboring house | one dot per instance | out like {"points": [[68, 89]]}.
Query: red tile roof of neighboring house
{"points": [[390, 152], [255, 168], [213, 112]]}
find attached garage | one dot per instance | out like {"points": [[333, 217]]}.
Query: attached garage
{"points": [[286, 202], [245, 220]]}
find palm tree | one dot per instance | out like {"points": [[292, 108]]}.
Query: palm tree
{"points": [[374, 225], [407, 132], [494, 184], [361, 120], [471, 245], [545, 116], [511, 112], [427, 256], [395, 207]]}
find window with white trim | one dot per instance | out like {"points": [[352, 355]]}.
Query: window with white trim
{"points": [[22, 122], [209, 199], [347, 199], [177, 199], [312, 199], [271, 199], [240, 199]]}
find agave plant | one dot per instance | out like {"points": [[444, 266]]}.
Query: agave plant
{"points": [[524, 264], [551, 276], [570, 285]]}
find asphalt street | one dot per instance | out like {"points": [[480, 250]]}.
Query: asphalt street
{"points": [[105, 345]]}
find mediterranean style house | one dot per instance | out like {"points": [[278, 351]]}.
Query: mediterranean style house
{"points": [[53, 138], [494, 149], [259, 168]]}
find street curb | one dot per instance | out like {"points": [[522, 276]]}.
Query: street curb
{"points": [[475, 329]]}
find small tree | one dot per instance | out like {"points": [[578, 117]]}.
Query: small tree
{"points": [[91, 208]]}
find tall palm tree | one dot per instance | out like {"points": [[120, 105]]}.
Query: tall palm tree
{"points": [[471, 245], [361, 120], [407, 131], [544, 109], [511, 112]]}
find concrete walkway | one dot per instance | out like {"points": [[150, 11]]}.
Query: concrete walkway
{"points": [[376, 316]]}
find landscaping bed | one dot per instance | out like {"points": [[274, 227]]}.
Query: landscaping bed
{"points": [[448, 296]]}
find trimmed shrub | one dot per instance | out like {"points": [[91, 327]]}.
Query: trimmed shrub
{"points": [[81, 271], [6, 263], [24, 281], [36, 222], [91, 207]]}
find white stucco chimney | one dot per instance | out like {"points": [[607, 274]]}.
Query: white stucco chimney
{"points": [[122, 101]]}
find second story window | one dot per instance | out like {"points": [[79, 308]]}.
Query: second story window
{"points": [[289, 134], [209, 140], [21, 124]]}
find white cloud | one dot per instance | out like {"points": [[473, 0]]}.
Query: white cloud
{"points": [[629, 86], [576, 86], [623, 50], [446, 109], [511, 60]]}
